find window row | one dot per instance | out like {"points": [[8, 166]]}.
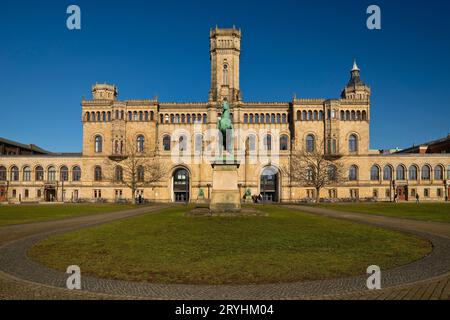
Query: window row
{"points": [[310, 144], [413, 173], [315, 115], [266, 118], [251, 142], [118, 145], [40, 174], [183, 118], [120, 115]]}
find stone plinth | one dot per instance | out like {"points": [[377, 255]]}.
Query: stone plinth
{"points": [[225, 195]]}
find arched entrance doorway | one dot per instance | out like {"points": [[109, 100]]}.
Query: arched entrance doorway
{"points": [[269, 184], [181, 185]]}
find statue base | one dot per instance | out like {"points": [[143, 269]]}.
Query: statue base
{"points": [[225, 195]]}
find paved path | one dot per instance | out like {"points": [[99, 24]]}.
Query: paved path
{"points": [[427, 278]]}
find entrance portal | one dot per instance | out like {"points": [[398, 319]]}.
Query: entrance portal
{"points": [[2, 194], [50, 194], [402, 193], [181, 185], [269, 185]]}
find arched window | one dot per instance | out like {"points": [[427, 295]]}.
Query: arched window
{"points": [[76, 173], [400, 172], [135, 116], [172, 118], [283, 118], [152, 116], [2, 173], [426, 172], [198, 143], [98, 144], [268, 142], [245, 118], [438, 173], [87, 116], [26, 174], [188, 118], [64, 173], [353, 115], [118, 174], [267, 118], [109, 115], [177, 118], [104, 116], [309, 115], [353, 173], [320, 115], [140, 142], [14, 174], [387, 173], [141, 116], [182, 143], [256, 118], [51, 174], [140, 174], [251, 143], [250, 118], [166, 143], [342, 115], [304, 117], [39, 172], [205, 118], [315, 115], [309, 174], [225, 74], [183, 118], [278, 118], [310, 143], [332, 172], [299, 115], [375, 173], [199, 118], [353, 143], [166, 118], [261, 117], [272, 118], [412, 173], [284, 140], [364, 115], [130, 115], [98, 173]]}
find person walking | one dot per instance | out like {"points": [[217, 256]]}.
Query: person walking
{"points": [[417, 198]]}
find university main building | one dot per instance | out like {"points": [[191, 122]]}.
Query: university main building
{"points": [[266, 133]]}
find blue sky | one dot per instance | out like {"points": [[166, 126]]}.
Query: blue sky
{"points": [[161, 48]]}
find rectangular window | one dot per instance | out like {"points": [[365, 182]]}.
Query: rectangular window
{"points": [[332, 193], [388, 193], [310, 193], [14, 193], [75, 195], [26, 193], [97, 193], [38, 194], [413, 192], [439, 192], [354, 193], [426, 193], [375, 193]]}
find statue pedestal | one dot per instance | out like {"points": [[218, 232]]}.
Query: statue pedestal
{"points": [[225, 195]]}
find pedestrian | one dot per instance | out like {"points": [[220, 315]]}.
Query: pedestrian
{"points": [[417, 198], [395, 198]]}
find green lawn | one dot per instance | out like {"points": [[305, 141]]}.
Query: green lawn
{"points": [[423, 211], [16, 214], [285, 246]]}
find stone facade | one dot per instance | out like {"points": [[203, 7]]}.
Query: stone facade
{"points": [[266, 134]]}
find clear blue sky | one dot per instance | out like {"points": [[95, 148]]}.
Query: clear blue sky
{"points": [[161, 48]]}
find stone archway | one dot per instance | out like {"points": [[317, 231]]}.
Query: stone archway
{"points": [[180, 185], [269, 184]]}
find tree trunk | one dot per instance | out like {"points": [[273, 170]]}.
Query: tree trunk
{"points": [[317, 195]]}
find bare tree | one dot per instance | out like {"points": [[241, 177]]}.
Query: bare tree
{"points": [[134, 168], [315, 168]]}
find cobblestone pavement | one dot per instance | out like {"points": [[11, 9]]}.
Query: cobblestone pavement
{"points": [[427, 278]]}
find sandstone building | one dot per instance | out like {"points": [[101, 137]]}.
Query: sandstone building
{"points": [[266, 135]]}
